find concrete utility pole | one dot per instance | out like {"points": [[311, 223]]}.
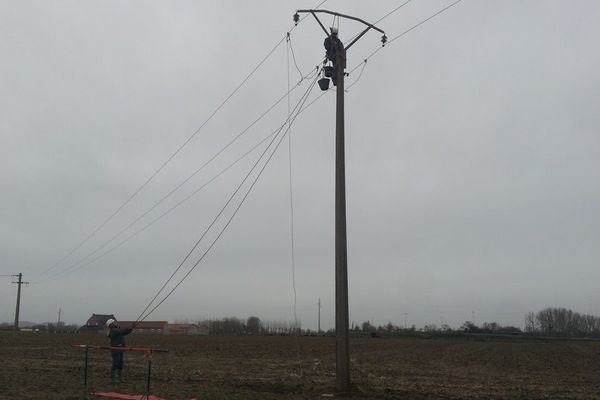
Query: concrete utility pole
{"points": [[319, 323], [19, 283], [336, 53]]}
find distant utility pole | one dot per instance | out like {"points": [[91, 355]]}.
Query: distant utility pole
{"points": [[319, 324], [19, 283], [405, 326], [58, 322], [473, 313], [336, 53]]}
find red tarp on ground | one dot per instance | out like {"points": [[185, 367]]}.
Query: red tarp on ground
{"points": [[113, 395]]}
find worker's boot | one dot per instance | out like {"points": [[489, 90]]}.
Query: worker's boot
{"points": [[113, 376]]}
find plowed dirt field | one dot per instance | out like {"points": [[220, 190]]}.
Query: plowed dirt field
{"points": [[44, 366]]}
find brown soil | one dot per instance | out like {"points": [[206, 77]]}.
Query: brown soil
{"points": [[43, 366]]}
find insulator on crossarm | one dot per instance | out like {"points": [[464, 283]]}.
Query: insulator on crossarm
{"points": [[296, 19], [383, 40]]}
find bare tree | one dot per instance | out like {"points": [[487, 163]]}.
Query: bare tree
{"points": [[253, 325], [530, 323]]}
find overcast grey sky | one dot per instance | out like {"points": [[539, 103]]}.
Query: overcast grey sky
{"points": [[472, 160]]}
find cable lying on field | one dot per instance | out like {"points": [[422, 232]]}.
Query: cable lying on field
{"points": [[145, 313]]}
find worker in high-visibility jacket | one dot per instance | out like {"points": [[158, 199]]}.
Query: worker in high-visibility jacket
{"points": [[117, 339]]}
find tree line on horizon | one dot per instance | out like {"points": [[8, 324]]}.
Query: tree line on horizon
{"points": [[549, 321], [562, 322], [253, 325]]}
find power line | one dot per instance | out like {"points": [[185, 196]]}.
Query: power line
{"points": [[164, 164], [407, 31], [230, 199], [380, 19], [168, 160], [290, 48], [292, 244], [171, 209], [188, 178], [141, 317], [391, 12], [222, 230], [359, 75], [363, 64], [355, 36], [228, 222]]}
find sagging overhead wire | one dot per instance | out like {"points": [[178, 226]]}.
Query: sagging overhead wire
{"points": [[380, 19], [407, 31], [73, 267], [166, 162], [223, 209], [81, 265], [364, 64], [291, 192], [170, 158], [168, 211], [220, 233], [290, 48], [145, 313]]}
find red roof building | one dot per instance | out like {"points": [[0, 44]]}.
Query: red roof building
{"points": [[157, 327], [183, 329]]}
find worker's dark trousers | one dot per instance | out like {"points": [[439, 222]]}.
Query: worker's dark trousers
{"points": [[117, 360]]}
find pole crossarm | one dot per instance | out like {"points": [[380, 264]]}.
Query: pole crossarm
{"points": [[358, 37], [313, 12], [318, 20]]}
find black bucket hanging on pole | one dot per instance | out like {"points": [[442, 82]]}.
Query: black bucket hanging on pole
{"points": [[324, 84]]}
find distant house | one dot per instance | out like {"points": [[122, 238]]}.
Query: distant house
{"points": [[183, 329], [156, 327], [96, 323], [204, 328]]}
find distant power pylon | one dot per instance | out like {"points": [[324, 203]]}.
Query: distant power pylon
{"points": [[319, 323], [336, 54], [19, 283]]}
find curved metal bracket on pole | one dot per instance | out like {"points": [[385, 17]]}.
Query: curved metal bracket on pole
{"points": [[369, 26]]}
